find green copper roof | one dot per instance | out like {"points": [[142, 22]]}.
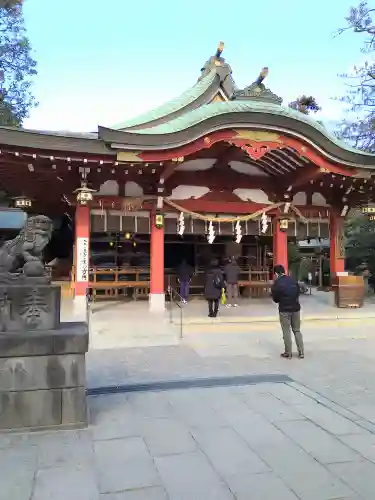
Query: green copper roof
{"points": [[170, 107], [220, 108]]}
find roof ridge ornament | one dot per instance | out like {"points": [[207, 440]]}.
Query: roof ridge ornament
{"points": [[219, 51], [217, 63], [257, 91]]}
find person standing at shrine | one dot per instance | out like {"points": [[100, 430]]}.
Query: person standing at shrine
{"points": [[232, 272], [285, 292], [214, 284], [185, 273]]}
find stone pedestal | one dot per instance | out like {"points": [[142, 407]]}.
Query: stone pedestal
{"points": [[30, 306], [43, 378]]}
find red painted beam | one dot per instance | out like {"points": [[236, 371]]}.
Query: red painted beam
{"points": [[255, 149], [58, 155], [203, 206], [188, 149], [240, 207]]}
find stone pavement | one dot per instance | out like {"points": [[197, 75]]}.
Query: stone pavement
{"points": [[310, 436], [265, 441], [135, 318], [317, 306]]}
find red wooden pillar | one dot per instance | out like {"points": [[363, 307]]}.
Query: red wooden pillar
{"points": [[157, 295], [337, 244], [280, 246], [82, 251]]}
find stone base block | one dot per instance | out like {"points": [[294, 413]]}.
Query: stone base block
{"points": [[80, 308], [29, 307], [43, 378], [157, 302]]}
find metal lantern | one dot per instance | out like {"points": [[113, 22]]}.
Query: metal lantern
{"points": [[368, 210], [283, 225], [84, 194], [22, 202], [159, 220]]}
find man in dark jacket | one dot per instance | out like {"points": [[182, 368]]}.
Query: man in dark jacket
{"points": [[232, 271], [285, 292], [185, 272], [214, 283]]}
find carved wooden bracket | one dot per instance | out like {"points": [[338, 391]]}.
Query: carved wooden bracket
{"points": [[256, 149]]}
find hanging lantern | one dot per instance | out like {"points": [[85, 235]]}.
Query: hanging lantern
{"points": [[283, 224], [84, 194], [22, 202], [369, 210], [181, 224], [159, 220], [264, 223], [238, 232], [211, 233]]}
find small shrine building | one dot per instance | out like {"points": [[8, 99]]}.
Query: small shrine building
{"points": [[216, 166]]}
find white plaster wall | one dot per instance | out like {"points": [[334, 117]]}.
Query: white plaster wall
{"points": [[194, 165], [245, 168], [299, 198], [254, 195], [184, 192], [109, 188], [318, 199], [133, 189]]}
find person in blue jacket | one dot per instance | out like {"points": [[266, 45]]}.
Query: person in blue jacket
{"points": [[285, 292]]}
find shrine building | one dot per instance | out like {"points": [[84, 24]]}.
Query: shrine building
{"points": [[218, 171]]}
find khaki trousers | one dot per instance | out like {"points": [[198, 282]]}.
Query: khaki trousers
{"points": [[232, 292], [291, 321]]}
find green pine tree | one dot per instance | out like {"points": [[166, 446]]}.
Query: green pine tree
{"points": [[17, 67]]}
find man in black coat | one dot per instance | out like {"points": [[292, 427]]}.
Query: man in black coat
{"points": [[285, 292], [214, 283]]}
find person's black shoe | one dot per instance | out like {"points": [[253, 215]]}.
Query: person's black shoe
{"points": [[301, 355], [210, 315], [286, 355]]}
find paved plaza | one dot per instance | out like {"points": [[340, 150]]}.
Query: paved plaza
{"points": [[220, 415]]}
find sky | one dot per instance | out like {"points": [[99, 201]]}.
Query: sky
{"points": [[100, 63]]}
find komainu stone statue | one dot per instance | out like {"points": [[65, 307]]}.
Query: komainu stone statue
{"points": [[24, 253], [28, 301], [42, 359]]}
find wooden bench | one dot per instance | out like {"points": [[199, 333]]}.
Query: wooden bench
{"points": [[141, 289], [254, 283], [255, 289], [115, 280]]}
